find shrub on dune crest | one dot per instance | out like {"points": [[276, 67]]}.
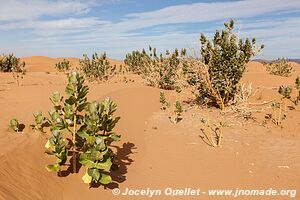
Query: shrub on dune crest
{"points": [[280, 67], [63, 66], [97, 67]]}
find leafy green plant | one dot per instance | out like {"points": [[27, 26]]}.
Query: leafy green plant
{"points": [[177, 113], [90, 126], [285, 91], [163, 101], [14, 125], [161, 71], [63, 66], [225, 58], [280, 67], [297, 82], [135, 59], [10, 63], [39, 120], [97, 68], [56, 146]]}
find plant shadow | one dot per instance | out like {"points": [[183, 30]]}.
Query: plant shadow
{"points": [[21, 127]]}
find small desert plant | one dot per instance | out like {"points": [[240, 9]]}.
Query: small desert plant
{"points": [[14, 125], [163, 101], [91, 128], [63, 66], [286, 91], [177, 113], [10, 63], [39, 120], [280, 67], [278, 113], [97, 68], [225, 58], [297, 82]]}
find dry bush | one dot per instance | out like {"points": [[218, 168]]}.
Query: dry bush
{"points": [[280, 67]]}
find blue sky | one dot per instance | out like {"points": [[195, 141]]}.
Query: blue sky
{"points": [[65, 28]]}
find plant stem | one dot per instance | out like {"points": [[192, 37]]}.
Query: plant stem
{"points": [[74, 145], [279, 117]]}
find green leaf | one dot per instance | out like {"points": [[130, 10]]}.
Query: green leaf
{"points": [[94, 173], [83, 134], [87, 178], [105, 166], [88, 163], [105, 179], [53, 168], [114, 137]]}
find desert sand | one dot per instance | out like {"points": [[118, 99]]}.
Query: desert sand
{"points": [[153, 153]]}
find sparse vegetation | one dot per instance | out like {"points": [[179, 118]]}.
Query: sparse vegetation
{"points": [[91, 128], [135, 59], [97, 68], [157, 70], [63, 66], [10, 63], [280, 67], [287, 91]]}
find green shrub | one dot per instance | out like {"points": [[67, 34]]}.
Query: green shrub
{"points": [[91, 127], [63, 66], [225, 58], [297, 82], [286, 92], [10, 63], [163, 101], [280, 67], [97, 68], [157, 70], [134, 60]]}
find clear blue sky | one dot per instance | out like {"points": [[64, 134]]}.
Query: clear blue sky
{"points": [[64, 28]]}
